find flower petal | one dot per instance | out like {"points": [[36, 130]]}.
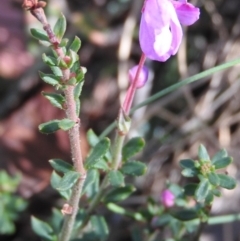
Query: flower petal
{"points": [[186, 12], [160, 31]]}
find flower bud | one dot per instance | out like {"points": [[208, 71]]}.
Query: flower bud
{"points": [[167, 198], [142, 78]]}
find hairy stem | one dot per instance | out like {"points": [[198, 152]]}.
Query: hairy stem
{"points": [[74, 133]]}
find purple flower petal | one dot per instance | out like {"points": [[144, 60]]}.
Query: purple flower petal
{"points": [[186, 12], [143, 76], [160, 31]]}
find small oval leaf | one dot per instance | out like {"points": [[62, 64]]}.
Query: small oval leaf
{"points": [[202, 190], [116, 178], [42, 229], [187, 172], [119, 194], [223, 162], [50, 78], [187, 163], [68, 180], [66, 124], [227, 182], [49, 127], [76, 44], [60, 27], [132, 147], [202, 153], [219, 155], [185, 215], [213, 178], [39, 34], [56, 100], [134, 168], [97, 153], [60, 165]]}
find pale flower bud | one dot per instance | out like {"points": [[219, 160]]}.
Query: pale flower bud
{"points": [[143, 76], [167, 198]]}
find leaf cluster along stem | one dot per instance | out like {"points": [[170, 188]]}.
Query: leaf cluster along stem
{"points": [[74, 133], [118, 145]]}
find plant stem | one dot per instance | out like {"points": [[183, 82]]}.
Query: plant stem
{"points": [[118, 144], [74, 133], [132, 89]]}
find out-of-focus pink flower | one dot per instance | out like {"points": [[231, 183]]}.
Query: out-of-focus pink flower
{"points": [[142, 78], [160, 32], [167, 198]]}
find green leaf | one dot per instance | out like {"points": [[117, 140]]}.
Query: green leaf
{"points": [[97, 153], [50, 78], [42, 229], [119, 194], [209, 198], [187, 172], [79, 73], [223, 162], [134, 168], [74, 58], [190, 189], [216, 193], [92, 175], [56, 71], [163, 220], [68, 180], [64, 42], [61, 63], [185, 215], [219, 155], [56, 220], [39, 34], [202, 153], [92, 138], [76, 44], [116, 178], [49, 127], [93, 188], [202, 190], [66, 124], [60, 165], [55, 180], [101, 164], [187, 163], [213, 179], [56, 100], [99, 226], [78, 90], [51, 61], [60, 27], [132, 147], [227, 182]]}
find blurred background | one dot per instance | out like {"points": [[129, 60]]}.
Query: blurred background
{"points": [[207, 111]]}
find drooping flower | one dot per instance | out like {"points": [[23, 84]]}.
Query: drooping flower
{"points": [[142, 78], [167, 198], [160, 32]]}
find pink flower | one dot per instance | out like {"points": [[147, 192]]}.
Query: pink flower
{"points": [[160, 32], [167, 198], [142, 78]]}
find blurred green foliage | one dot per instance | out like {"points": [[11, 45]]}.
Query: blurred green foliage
{"points": [[10, 204]]}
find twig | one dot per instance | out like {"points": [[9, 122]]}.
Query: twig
{"points": [[36, 9]]}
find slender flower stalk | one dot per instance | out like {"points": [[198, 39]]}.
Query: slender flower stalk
{"points": [[132, 89], [36, 10]]}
